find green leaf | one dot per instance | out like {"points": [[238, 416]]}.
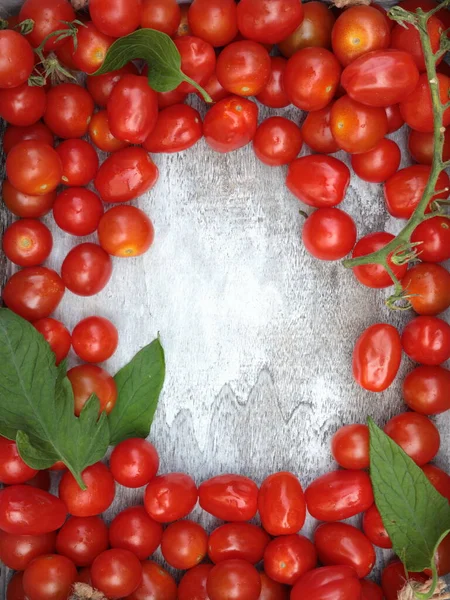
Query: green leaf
{"points": [[415, 515], [139, 384]]}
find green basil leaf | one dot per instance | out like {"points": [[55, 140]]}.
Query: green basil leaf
{"points": [[139, 384], [415, 515]]}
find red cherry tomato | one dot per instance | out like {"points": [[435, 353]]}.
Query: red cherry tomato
{"points": [[314, 30], [22, 105], [212, 87], [426, 340], [329, 234], [156, 583], [370, 590], [17, 59], [428, 288], [277, 141], [184, 544], [434, 238], [376, 276], [198, 61], [439, 479], [416, 434], [237, 540], [95, 499], [82, 539], [272, 590], [125, 231], [26, 205], [229, 497], [234, 578], [394, 117], [377, 164], [134, 462], [49, 577], [78, 211], [425, 390], [115, 17], [69, 110], [41, 480], [91, 48], [374, 529], [170, 497], [214, 21], [316, 131], [48, 16], [417, 109], [134, 530], [27, 242], [95, 339], [14, 135], [281, 504], [34, 292], [288, 557], [91, 379], [17, 551], [339, 495], [178, 128], [86, 269], [350, 447], [15, 588], [421, 146], [193, 583], [269, 21], [393, 579], [243, 68], [79, 162], [273, 93], [57, 335], [406, 37], [116, 573], [13, 470], [230, 124], [101, 86], [100, 133], [328, 583], [162, 15], [33, 167]]}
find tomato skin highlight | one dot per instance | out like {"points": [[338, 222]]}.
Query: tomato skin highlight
{"points": [[170, 497], [27, 242], [177, 128], [329, 234], [13, 470], [16, 59], [314, 30], [316, 131], [425, 390], [133, 530], [229, 497], [288, 557], [26, 510], [162, 15], [350, 447], [273, 93], [86, 269], [428, 286], [23, 105], [237, 540], [214, 21], [243, 68], [125, 231], [95, 339], [268, 21], [17, 551], [95, 499], [230, 124], [373, 527], [34, 168], [184, 544], [77, 211], [416, 435], [281, 504], [57, 335], [328, 583], [426, 340], [134, 462], [277, 141]]}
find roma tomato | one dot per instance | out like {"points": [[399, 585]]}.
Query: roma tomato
{"points": [[95, 499], [394, 117], [92, 46], [57, 335], [234, 578], [243, 68], [198, 61], [428, 288], [328, 583], [329, 234], [268, 21], [170, 497], [13, 470], [406, 37], [22, 105], [370, 590], [117, 573], [393, 579], [377, 164], [426, 340], [78, 211], [17, 59], [86, 269], [374, 529], [417, 109], [193, 583], [277, 141], [281, 504], [416, 435], [421, 146], [184, 544], [311, 78], [288, 557], [26, 205], [439, 479], [350, 447], [26, 510], [125, 175], [214, 21], [316, 131], [229, 497], [134, 462], [156, 583], [91, 379], [273, 93], [27, 242], [34, 292], [162, 15], [48, 16], [82, 539], [166, 99], [272, 590], [125, 231], [425, 390], [17, 551], [100, 133], [101, 86], [79, 162], [376, 357], [230, 124], [339, 495], [34, 168], [69, 110], [434, 238], [177, 128], [314, 30], [14, 135], [318, 180], [376, 276], [133, 530], [95, 339], [238, 540], [115, 17], [49, 577]]}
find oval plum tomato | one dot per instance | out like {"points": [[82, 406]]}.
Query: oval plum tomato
{"points": [[376, 276], [406, 37], [314, 30], [316, 131], [268, 21], [170, 497], [17, 551], [426, 340], [33, 167], [416, 434], [115, 17], [92, 46], [193, 584], [230, 124], [273, 93], [272, 590], [434, 238], [125, 175], [417, 109], [339, 495], [86, 269], [288, 557], [404, 190], [243, 68], [393, 579], [356, 127], [133, 530], [34, 292], [17, 59], [214, 21], [15, 588], [350, 446], [376, 357], [134, 462], [125, 231], [95, 339], [281, 504], [198, 61], [13, 470], [57, 335], [357, 31], [311, 78], [377, 164], [79, 161], [439, 479], [425, 390], [162, 15], [95, 499], [156, 583], [234, 578], [49, 577], [101, 86], [374, 529], [82, 539], [238, 540], [343, 544], [27, 242], [211, 87], [69, 110], [370, 590], [78, 211], [229, 497], [421, 146], [132, 109], [26, 510], [26, 205], [329, 234], [184, 544], [48, 16], [91, 379], [277, 141], [22, 105], [100, 133], [14, 135], [328, 583], [394, 118], [428, 288], [318, 180], [117, 573], [178, 128]]}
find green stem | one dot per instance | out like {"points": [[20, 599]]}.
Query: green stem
{"points": [[204, 93]]}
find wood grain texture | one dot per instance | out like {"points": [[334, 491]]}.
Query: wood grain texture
{"points": [[258, 335]]}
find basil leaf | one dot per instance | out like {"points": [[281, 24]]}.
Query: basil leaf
{"points": [[139, 384], [415, 515], [159, 52]]}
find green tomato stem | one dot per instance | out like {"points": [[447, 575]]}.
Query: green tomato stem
{"points": [[204, 93]]}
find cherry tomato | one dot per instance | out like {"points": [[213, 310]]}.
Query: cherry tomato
{"points": [[234, 578], [125, 175], [417, 109], [82, 539], [17, 59], [237, 540], [95, 339], [434, 238], [41, 480], [78, 211], [125, 231], [13, 470], [14, 135], [48, 16], [439, 479], [426, 340], [230, 124], [421, 146], [91, 48], [318, 180], [170, 497], [27, 242], [272, 590], [329, 234], [166, 99], [133, 530], [101, 86], [212, 87], [162, 15], [316, 131], [311, 78], [134, 462], [406, 37], [350, 447], [425, 390], [277, 141], [116, 573], [376, 276], [95, 499], [33, 167], [441, 557], [214, 21], [115, 17], [374, 529], [394, 117], [184, 544], [91, 379], [377, 164], [178, 128], [288, 557], [15, 588], [26, 510], [57, 335], [22, 105], [26, 205], [79, 162], [34, 292], [229, 497], [314, 30], [269, 21], [193, 584], [64, 54], [370, 590], [100, 133], [198, 61], [273, 93], [393, 579], [156, 583], [281, 504], [243, 68], [339, 495], [416, 434], [428, 288], [69, 110], [328, 583], [86, 269], [49, 577]]}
